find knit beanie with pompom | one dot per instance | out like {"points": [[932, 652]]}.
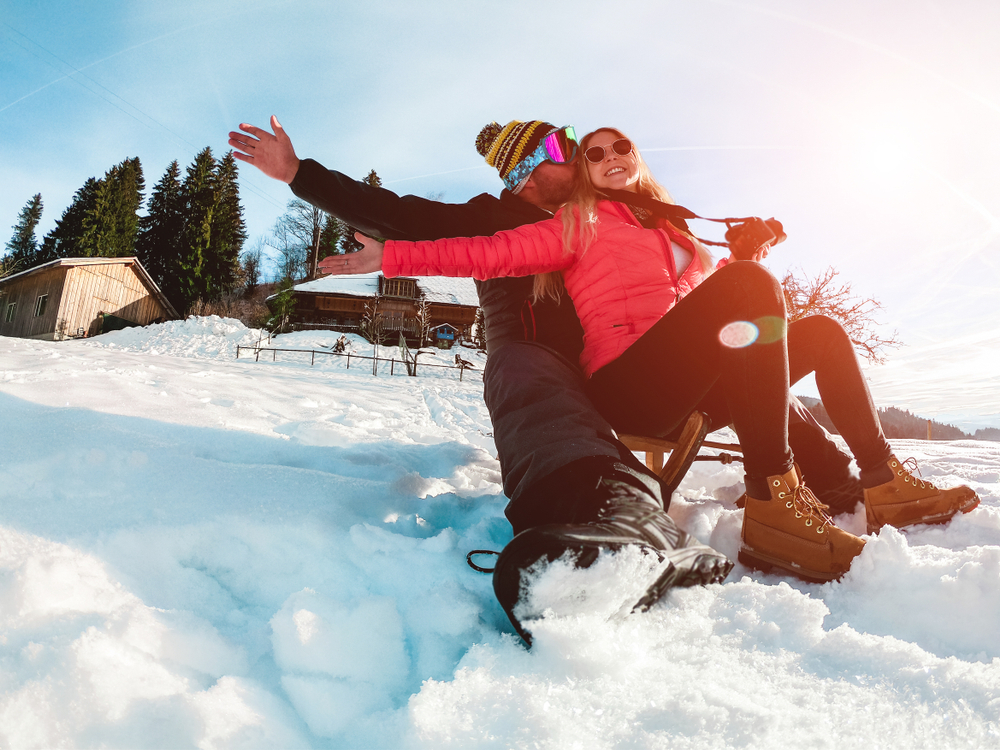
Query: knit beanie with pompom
{"points": [[505, 147]]}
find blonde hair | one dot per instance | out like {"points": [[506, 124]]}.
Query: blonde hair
{"points": [[579, 216]]}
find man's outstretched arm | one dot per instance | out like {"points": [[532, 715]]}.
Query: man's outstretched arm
{"points": [[374, 210], [272, 154]]}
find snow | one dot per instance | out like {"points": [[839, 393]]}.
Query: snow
{"points": [[204, 551]]}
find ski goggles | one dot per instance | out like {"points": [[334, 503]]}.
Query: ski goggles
{"points": [[596, 154], [558, 147]]}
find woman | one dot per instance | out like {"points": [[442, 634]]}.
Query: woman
{"points": [[663, 335]]}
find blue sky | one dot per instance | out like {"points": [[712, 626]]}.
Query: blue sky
{"points": [[871, 129]]}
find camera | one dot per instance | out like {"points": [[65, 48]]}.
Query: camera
{"points": [[748, 237]]}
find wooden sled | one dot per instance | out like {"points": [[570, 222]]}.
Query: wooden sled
{"points": [[683, 449]]}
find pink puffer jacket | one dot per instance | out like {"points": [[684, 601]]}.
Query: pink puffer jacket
{"points": [[622, 284]]}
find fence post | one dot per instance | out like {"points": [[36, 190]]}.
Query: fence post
{"points": [[348, 360], [274, 358], [257, 358], [237, 351], [392, 367], [313, 358]]}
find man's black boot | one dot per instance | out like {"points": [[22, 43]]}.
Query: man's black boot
{"points": [[620, 523]]}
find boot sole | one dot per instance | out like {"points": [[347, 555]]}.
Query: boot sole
{"points": [[696, 565], [936, 519], [765, 563]]}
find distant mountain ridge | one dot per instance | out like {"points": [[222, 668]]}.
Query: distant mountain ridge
{"points": [[899, 423]]}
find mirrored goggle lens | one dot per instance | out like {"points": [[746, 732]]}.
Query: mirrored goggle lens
{"points": [[561, 145], [595, 154]]}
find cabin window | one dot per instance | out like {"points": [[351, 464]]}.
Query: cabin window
{"points": [[399, 288], [11, 308], [40, 305]]}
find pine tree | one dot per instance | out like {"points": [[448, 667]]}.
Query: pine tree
{"points": [[329, 239], [252, 262], [22, 248], [64, 239], [282, 305], [158, 243], [228, 231], [111, 225], [198, 196], [348, 243]]}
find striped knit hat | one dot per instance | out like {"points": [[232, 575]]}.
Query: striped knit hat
{"points": [[505, 147]]}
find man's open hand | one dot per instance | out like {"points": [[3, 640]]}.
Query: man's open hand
{"points": [[271, 154]]}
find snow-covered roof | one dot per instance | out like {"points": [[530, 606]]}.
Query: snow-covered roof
{"points": [[443, 289]]}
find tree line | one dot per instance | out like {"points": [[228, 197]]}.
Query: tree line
{"points": [[189, 240], [901, 424]]}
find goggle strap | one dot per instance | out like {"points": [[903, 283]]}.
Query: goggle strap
{"points": [[670, 211]]}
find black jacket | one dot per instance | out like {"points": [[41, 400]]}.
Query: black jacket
{"points": [[378, 212]]}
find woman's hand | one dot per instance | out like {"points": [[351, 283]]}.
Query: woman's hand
{"points": [[757, 257], [365, 260]]}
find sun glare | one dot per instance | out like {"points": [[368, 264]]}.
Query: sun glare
{"points": [[885, 150]]}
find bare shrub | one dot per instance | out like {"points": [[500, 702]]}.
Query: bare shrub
{"points": [[823, 296]]}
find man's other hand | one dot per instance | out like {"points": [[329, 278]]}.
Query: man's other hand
{"points": [[271, 154]]}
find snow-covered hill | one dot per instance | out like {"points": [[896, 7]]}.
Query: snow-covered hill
{"points": [[200, 551]]}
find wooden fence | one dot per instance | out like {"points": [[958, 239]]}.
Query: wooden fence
{"points": [[392, 362]]}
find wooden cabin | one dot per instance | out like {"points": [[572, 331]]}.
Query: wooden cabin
{"points": [[77, 297], [338, 303]]}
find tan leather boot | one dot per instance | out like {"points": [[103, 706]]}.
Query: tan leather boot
{"points": [[909, 500], [792, 531]]}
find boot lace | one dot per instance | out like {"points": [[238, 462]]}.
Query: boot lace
{"points": [[906, 469], [807, 505]]}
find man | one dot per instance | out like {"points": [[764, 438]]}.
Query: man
{"points": [[572, 485]]}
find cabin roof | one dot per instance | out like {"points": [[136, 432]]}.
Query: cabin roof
{"points": [[441, 289]]}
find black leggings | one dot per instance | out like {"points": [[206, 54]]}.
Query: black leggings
{"points": [[681, 364]]}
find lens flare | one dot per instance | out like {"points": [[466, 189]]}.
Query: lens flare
{"points": [[771, 328], [738, 335]]}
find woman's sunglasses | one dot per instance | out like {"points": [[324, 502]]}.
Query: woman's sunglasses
{"points": [[596, 154]]}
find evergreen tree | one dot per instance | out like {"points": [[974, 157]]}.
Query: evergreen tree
{"points": [[64, 239], [329, 239], [158, 243], [22, 248], [252, 261], [198, 196], [228, 231], [348, 243], [282, 305], [111, 225]]}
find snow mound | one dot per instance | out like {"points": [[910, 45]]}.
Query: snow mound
{"points": [[209, 337]]}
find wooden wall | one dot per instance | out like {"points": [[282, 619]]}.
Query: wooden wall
{"points": [[113, 288], [24, 293]]}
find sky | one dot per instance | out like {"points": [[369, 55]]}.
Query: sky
{"points": [[871, 130]]}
